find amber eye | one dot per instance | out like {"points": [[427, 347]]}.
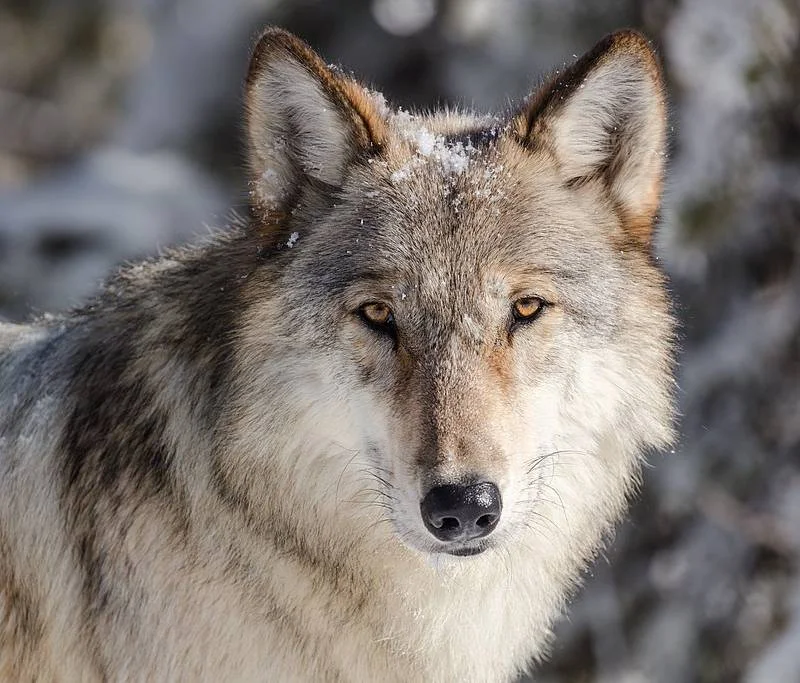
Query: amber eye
{"points": [[527, 308], [376, 314]]}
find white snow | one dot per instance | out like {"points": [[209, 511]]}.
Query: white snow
{"points": [[400, 174], [379, 100], [452, 157], [426, 142]]}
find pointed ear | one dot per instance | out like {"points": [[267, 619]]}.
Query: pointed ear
{"points": [[605, 118], [304, 122]]}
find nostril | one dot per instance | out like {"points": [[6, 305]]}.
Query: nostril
{"points": [[448, 524], [486, 520]]}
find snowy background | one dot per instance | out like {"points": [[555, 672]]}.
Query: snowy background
{"points": [[120, 133]]}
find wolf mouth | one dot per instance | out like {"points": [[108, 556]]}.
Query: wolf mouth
{"points": [[465, 551]]}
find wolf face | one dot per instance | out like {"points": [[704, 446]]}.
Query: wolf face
{"points": [[469, 303]]}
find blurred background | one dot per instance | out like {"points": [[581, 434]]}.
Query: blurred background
{"points": [[120, 133]]}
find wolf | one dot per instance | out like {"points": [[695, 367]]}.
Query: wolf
{"points": [[373, 431]]}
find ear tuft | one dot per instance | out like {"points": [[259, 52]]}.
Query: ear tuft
{"points": [[605, 118], [304, 122]]}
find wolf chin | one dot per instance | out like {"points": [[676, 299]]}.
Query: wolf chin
{"points": [[374, 431]]}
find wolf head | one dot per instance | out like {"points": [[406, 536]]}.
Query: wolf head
{"points": [[461, 326]]}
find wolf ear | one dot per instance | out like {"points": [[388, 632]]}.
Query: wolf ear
{"points": [[605, 118], [304, 122]]}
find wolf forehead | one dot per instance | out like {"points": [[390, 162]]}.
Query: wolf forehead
{"points": [[449, 204], [433, 182]]}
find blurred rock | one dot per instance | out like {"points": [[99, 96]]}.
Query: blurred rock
{"points": [[59, 238]]}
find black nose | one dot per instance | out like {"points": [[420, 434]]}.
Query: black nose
{"points": [[461, 513]]}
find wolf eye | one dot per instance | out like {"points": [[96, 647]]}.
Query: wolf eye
{"points": [[378, 316], [527, 308]]}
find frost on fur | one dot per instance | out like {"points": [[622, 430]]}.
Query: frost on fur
{"points": [[452, 158], [604, 119]]}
